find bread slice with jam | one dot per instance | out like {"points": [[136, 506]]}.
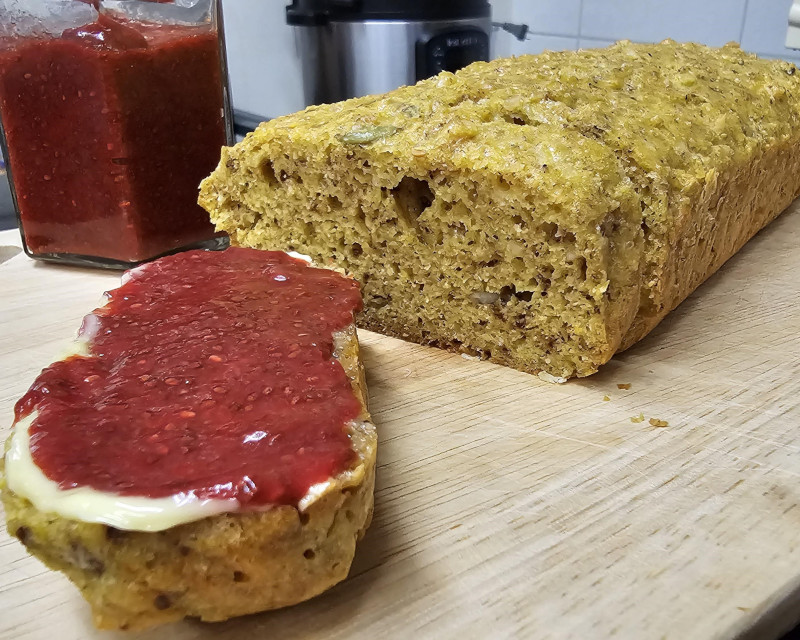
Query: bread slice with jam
{"points": [[260, 546]]}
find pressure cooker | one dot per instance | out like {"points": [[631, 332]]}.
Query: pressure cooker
{"points": [[352, 48]]}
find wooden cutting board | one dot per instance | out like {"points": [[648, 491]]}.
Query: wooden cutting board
{"points": [[506, 506]]}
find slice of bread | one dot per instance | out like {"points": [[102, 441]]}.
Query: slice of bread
{"points": [[220, 566], [543, 212]]}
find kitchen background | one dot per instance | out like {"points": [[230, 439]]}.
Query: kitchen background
{"points": [[265, 67], [265, 72]]}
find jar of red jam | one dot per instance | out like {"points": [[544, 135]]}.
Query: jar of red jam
{"points": [[112, 113]]}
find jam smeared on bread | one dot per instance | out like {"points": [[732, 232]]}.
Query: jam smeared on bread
{"points": [[210, 373]]}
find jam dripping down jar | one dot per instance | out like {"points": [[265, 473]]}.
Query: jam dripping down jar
{"points": [[112, 112]]}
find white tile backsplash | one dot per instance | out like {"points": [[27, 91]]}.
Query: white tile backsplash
{"points": [[765, 28], [759, 25], [594, 43], [712, 22], [263, 64], [551, 17]]}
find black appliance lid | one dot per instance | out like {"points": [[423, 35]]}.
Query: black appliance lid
{"points": [[318, 12]]}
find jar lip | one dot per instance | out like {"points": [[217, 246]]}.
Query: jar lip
{"points": [[43, 19], [320, 12]]}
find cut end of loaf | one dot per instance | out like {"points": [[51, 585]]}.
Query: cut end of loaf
{"points": [[446, 256]]}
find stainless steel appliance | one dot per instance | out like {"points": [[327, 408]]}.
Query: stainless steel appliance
{"points": [[352, 48]]}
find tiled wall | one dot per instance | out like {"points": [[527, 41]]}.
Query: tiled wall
{"points": [[759, 25], [263, 62]]}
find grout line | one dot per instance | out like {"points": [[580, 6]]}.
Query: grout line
{"points": [[744, 20], [775, 56]]}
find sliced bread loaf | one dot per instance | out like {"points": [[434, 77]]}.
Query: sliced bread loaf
{"points": [[543, 212]]}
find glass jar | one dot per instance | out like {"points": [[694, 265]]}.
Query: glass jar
{"points": [[112, 112]]}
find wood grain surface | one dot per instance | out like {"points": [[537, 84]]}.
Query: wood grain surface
{"points": [[507, 507]]}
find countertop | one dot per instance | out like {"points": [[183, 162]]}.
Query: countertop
{"points": [[508, 507]]}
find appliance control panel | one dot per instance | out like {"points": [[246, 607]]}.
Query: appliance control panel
{"points": [[451, 51]]}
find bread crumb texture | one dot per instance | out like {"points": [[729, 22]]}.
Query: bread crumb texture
{"points": [[542, 212]]}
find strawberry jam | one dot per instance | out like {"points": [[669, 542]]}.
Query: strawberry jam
{"points": [[210, 373], [110, 128]]}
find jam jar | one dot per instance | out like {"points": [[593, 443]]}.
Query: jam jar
{"points": [[112, 113]]}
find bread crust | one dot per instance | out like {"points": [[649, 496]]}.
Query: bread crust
{"points": [[222, 566], [731, 209]]}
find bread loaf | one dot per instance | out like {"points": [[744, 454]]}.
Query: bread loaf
{"points": [[543, 212], [216, 559]]}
